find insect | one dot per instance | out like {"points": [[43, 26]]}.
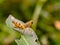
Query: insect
{"points": [[22, 26]]}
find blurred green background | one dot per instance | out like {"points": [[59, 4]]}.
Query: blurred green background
{"points": [[46, 25]]}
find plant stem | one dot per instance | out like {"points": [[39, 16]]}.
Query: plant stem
{"points": [[37, 12]]}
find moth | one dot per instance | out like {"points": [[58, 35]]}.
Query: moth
{"points": [[22, 26]]}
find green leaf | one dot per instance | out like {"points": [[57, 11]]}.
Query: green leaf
{"points": [[26, 40]]}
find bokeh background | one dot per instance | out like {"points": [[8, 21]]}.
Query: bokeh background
{"points": [[46, 25]]}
